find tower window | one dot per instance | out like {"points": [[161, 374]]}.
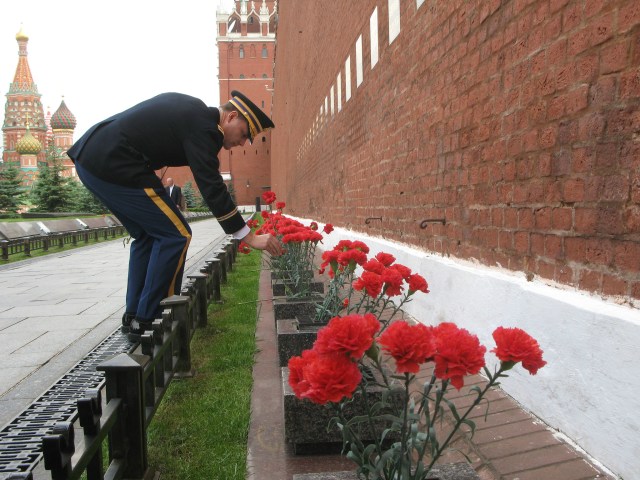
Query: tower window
{"points": [[265, 54], [241, 51]]}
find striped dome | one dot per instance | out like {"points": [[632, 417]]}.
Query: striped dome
{"points": [[28, 144], [63, 119]]}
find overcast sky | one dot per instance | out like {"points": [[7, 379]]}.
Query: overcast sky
{"points": [[104, 57]]}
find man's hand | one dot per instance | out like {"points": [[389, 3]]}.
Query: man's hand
{"points": [[264, 242]]}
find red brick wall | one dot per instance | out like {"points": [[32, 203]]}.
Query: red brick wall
{"points": [[516, 121]]}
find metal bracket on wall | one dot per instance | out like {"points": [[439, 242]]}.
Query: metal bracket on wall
{"points": [[427, 221], [368, 220]]}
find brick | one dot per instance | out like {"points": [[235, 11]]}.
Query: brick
{"points": [[598, 252], [613, 285], [583, 160], [562, 218], [590, 280], [518, 445], [590, 126], [630, 84], [585, 220], [575, 249], [537, 244], [577, 469], [586, 68], [564, 274], [577, 99], [561, 162], [573, 190], [553, 247], [603, 91], [548, 136], [567, 132], [579, 41], [536, 459], [572, 16], [506, 431], [614, 58], [543, 218], [627, 256], [629, 16], [546, 269], [521, 242]]}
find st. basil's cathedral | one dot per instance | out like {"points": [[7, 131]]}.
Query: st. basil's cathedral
{"points": [[27, 132]]}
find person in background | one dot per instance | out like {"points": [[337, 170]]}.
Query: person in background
{"points": [[116, 160], [175, 193]]}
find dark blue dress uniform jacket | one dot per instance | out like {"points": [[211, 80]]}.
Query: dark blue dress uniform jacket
{"points": [[169, 130]]}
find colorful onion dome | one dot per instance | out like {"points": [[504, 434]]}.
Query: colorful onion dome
{"points": [[63, 119], [28, 144]]}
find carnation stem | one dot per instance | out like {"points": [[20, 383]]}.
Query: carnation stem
{"points": [[441, 448]]}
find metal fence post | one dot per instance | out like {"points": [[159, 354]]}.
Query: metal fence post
{"points": [[4, 245], [128, 439], [216, 273], [180, 309], [222, 256], [200, 284]]}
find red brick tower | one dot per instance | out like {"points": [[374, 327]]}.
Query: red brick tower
{"points": [[23, 108], [246, 44]]}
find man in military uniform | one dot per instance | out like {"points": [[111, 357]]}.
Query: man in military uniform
{"points": [[117, 158]]}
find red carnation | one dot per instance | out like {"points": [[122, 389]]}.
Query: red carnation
{"points": [[328, 228], [296, 371], [358, 245], [269, 197], [514, 345], [374, 266], [385, 258], [264, 214], [459, 353], [356, 256], [404, 271], [313, 226], [409, 345], [370, 282], [351, 335], [392, 282], [417, 283], [280, 205], [330, 378], [244, 248]]}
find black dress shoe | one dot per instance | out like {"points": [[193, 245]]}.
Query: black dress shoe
{"points": [[127, 318], [137, 328]]}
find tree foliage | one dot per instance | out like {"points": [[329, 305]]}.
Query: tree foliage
{"points": [[190, 195], [51, 192], [11, 191]]}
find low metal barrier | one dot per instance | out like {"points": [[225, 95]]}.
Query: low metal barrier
{"points": [[44, 243], [27, 245], [133, 386]]}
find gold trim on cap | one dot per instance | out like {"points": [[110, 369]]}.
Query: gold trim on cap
{"points": [[254, 124]]}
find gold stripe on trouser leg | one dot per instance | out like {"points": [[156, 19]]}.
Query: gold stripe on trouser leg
{"points": [[166, 209]]}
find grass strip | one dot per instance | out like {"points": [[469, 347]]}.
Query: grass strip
{"points": [[201, 427]]}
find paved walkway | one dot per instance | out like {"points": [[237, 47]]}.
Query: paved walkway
{"points": [[55, 309]]}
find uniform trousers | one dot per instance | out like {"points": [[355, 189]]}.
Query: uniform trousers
{"points": [[161, 237]]}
